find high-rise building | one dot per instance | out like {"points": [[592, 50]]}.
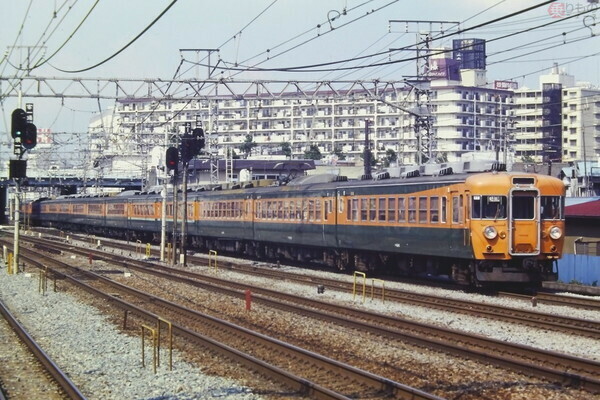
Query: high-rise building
{"points": [[559, 122]]}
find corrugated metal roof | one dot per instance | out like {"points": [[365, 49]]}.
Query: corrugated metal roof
{"points": [[589, 208]]}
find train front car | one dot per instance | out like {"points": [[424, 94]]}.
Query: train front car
{"points": [[517, 227]]}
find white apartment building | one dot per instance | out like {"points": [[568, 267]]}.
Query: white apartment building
{"points": [[559, 122], [465, 115]]}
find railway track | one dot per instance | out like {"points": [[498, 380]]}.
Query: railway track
{"points": [[531, 318], [557, 300], [320, 378], [549, 365], [60, 377]]}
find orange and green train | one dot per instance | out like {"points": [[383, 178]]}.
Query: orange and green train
{"points": [[476, 229]]}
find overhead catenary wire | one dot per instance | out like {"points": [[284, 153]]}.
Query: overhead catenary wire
{"points": [[45, 60], [310, 67], [124, 47]]}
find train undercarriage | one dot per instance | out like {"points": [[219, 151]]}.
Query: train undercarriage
{"points": [[463, 272]]}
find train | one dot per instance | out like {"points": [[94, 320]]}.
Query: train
{"points": [[476, 229]]}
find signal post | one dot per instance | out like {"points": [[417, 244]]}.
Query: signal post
{"points": [[24, 134], [190, 146]]}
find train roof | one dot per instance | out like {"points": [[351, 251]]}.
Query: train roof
{"points": [[330, 182]]}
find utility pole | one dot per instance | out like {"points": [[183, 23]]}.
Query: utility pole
{"points": [[175, 212], [183, 251], [367, 153], [423, 129]]}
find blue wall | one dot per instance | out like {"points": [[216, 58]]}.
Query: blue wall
{"points": [[581, 268]]}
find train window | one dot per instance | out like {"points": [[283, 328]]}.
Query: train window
{"points": [[372, 209], [280, 209], [95, 209], [350, 212], [304, 210], [412, 209], [552, 207], [443, 215], [401, 209], [311, 210], [363, 209], [286, 210], [422, 210], [299, 210], [434, 207], [318, 210], [382, 209], [354, 209], [391, 209], [327, 208], [523, 205], [488, 207], [457, 209]]}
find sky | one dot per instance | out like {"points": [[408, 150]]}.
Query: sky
{"points": [[275, 34]]}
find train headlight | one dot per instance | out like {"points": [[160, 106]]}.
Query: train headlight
{"points": [[555, 232], [490, 232]]}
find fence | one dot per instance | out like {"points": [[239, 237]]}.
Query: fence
{"points": [[580, 268]]}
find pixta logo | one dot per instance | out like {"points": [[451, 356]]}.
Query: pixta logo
{"points": [[562, 10]]}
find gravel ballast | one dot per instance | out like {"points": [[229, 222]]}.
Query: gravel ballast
{"points": [[104, 363]]}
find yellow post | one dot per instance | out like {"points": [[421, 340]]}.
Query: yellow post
{"points": [[364, 276], [10, 264], [148, 250], [169, 251], [170, 325], [382, 288], [154, 341], [212, 253]]}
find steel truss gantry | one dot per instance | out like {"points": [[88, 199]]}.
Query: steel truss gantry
{"points": [[187, 89]]}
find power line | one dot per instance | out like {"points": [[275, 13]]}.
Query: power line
{"points": [[123, 48], [69, 38], [309, 68]]}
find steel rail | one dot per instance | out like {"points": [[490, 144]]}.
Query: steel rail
{"points": [[54, 370], [589, 303], [300, 384], [522, 358]]}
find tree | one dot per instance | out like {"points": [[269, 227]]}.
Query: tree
{"points": [[338, 152], [527, 159], [247, 146], [371, 157], [313, 153], [390, 157], [286, 148], [442, 158]]}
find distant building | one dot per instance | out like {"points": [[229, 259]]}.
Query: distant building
{"points": [[462, 113], [559, 122]]}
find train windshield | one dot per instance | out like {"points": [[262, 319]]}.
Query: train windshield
{"points": [[552, 207], [523, 205], [488, 207]]}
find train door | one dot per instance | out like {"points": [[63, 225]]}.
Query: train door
{"points": [[524, 222]]}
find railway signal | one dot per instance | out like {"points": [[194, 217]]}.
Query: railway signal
{"points": [[172, 159], [29, 139], [188, 148], [192, 144], [200, 141], [19, 123]]}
